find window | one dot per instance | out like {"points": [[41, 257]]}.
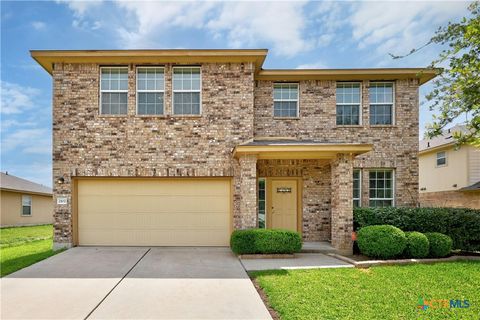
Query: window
{"points": [[381, 188], [381, 103], [150, 90], [114, 90], [186, 90], [261, 203], [357, 187], [285, 100], [348, 103], [441, 159], [26, 205]]}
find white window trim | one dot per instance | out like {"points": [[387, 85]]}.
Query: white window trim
{"points": [[360, 104], [393, 185], [378, 103], [111, 91], [436, 159], [359, 188], [297, 115], [265, 180], [174, 90], [31, 206], [151, 91]]}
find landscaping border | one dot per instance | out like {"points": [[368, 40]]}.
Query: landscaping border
{"points": [[391, 262]]}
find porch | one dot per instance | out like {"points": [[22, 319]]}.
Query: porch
{"points": [[299, 185]]}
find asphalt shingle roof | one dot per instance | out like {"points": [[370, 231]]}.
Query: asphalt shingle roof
{"points": [[7, 181]]}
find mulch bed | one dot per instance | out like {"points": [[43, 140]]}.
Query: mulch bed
{"points": [[263, 295]]}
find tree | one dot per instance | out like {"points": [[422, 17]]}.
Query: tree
{"points": [[456, 90]]}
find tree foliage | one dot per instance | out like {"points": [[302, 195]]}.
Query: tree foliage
{"points": [[456, 90]]}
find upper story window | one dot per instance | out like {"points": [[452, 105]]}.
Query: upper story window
{"points": [[150, 90], [381, 188], [113, 90], [348, 103], [441, 159], [357, 187], [26, 205], [381, 103], [285, 100], [186, 90]]}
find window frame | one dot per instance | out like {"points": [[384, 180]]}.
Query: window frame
{"points": [[31, 205], [149, 91], [297, 114], [376, 103], [258, 201], [393, 186], [200, 111], [360, 104], [444, 157], [359, 188], [112, 91]]}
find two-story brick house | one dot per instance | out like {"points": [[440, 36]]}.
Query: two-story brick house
{"points": [[180, 147]]}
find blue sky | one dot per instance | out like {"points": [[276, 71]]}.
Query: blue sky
{"points": [[298, 34]]}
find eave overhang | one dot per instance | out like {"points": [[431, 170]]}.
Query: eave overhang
{"points": [[47, 58], [305, 151], [422, 74]]}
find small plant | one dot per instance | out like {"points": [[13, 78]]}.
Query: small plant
{"points": [[265, 241], [440, 244], [417, 245], [383, 241]]}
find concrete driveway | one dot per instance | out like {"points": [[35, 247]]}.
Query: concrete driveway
{"points": [[127, 283]]}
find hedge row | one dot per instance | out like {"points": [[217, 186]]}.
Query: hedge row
{"points": [[265, 241], [462, 225], [386, 242]]}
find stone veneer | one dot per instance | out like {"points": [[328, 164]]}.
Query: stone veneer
{"points": [[235, 108]]}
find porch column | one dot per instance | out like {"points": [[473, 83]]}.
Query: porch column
{"points": [[247, 188], [342, 204]]}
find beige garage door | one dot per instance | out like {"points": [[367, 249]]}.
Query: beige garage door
{"points": [[154, 212]]}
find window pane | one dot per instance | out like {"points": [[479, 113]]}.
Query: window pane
{"points": [[150, 103], [381, 188], [348, 115], [114, 103], [261, 204], [114, 79], [26, 210], [186, 103], [186, 78], [285, 100], [380, 114]]}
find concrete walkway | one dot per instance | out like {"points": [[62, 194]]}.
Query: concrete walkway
{"points": [[301, 261], [126, 283]]}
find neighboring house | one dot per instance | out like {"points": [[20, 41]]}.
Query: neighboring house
{"points": [[24, 202], [449, 175], [180, 147]]}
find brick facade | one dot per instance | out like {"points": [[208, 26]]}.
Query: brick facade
{"points": [[235, 108]]}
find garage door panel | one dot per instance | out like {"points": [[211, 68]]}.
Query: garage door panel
{"points": [[153, 203], [154, 212]]}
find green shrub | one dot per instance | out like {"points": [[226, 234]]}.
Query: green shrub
{"points": [[462, 225], [382, 241], [440, 244], [417, 245], [265, 241]]}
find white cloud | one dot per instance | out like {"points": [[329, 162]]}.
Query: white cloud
{"points": [[397, 27], [27, 140], [16, 99], [80, 7], [39, 25], [313, 65]]}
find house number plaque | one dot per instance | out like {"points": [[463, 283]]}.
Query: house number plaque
{"points": [[284, 190]]}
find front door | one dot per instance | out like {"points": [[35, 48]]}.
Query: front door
{"points": [[283, 209]]}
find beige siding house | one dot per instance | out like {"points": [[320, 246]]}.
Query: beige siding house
{"points": [[23, 202], [449, 176], [180, 147]]}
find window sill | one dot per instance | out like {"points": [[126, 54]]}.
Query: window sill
{"points": [[113, 115], [286, 118], [383, 126], [26, 215], [188, 116], [161, 116], [349, 126]]}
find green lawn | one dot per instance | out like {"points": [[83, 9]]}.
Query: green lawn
{"points": [[389, 292], [23, 246]]}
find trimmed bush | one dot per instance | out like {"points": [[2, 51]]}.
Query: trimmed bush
{"points": [[440, 244], [265, 241], [417, 245], [462, 225], [383, 241]]}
